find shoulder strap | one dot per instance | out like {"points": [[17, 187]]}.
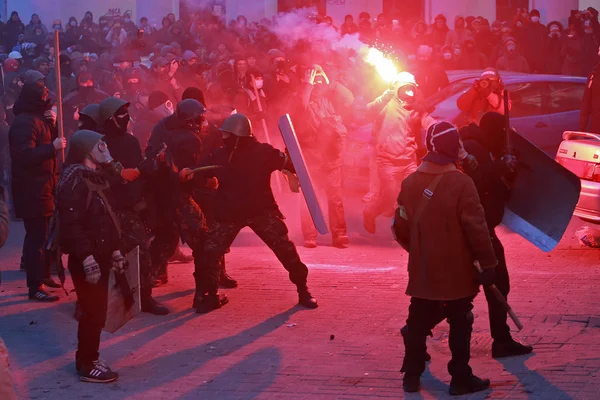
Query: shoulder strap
{"points": [[427, 195], [99, 189]]}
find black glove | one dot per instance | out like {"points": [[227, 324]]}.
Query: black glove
{"points": [[487, 276]]}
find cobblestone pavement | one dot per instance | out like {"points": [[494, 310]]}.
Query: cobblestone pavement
{"points": [[262, 346]]}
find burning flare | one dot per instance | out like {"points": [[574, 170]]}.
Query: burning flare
{"points": [[385, 66]]}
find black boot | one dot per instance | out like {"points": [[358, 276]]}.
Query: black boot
{"points": [[210, 302], [225, 280], [471, 384], [151, 306], [411, 383], [509, 348], [51, 283], [305, 299]]}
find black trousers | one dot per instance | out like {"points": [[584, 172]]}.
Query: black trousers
{"points": [[498, 326], [93, 301], [423, 316], [37, 263]]}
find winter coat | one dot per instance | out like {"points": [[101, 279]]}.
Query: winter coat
{"points": [[554, 60], [431, 78], [472, 60], [34, 166], [245, 180], [589, 53], [535, 41], [12, 30], [513, 62], [450, 235], [458, 36], [590, 106], [31, 27], [396, 130], [86, 227], [437, 37], [320, 128], [572, 55], [488, 176], [125, 149]]}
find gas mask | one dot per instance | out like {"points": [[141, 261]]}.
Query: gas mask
{"points": [[406, 93], [100, 154]]}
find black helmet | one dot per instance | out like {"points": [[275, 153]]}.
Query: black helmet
{"points": [[91, 111], [238, 125], [109, 106], [189, 110]]}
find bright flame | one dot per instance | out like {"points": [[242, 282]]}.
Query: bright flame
{"points": [[384, 65]]}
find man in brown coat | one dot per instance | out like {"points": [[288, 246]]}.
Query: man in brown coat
{"points": [[441, 223]]}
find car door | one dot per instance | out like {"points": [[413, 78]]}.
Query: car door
{"points": [[530, 115], [565, 104]]}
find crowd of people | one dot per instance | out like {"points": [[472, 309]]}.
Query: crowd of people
{"points": [[167, 134]]}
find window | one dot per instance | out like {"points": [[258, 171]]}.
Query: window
{"points": [[565, 96], [529, 99]]}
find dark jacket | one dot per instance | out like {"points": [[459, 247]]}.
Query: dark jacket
{"points": [[86, 227], [245, 180], [125, 149], [12, 30], [534, 46], [554, 61], [449, 236], [492, 190], [34, 166], [590, 106]]}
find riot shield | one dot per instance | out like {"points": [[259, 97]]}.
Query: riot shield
{"points": [[308, 191], [124, 301], [543, 196]]}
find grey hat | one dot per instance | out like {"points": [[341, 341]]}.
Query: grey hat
{"points": [[32, 76], [82, 143]]}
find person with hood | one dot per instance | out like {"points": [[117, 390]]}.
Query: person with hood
{"points": [[158, 107], [12, 29], [34, 24], [397, 137], [441, 223], [512, 60], [493, 175], [68, 81], [38, 36], [500, 49], [348, 27], [116, 36], [33, 145], [179, 214], [128, 189], [85, 94], [246, 169], [459, 34], [419, 36], [72, 33], [554, 61], [471, 58], [448, 60], [572, 53], [430, 76], [535, 39], [486, 94], [190, 71], [89, 234], [589, 117], [148, 29], [128, 25], [439, 32], [322, 133]]}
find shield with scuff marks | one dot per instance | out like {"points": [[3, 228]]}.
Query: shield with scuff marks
{"points": [[308, 190], [124, 301], [543, 196]]}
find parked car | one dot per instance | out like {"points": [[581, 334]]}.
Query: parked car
{"points": [[579, 152], [543, 106]]}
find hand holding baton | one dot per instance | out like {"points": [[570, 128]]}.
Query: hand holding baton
{"points": [[501, 299]]}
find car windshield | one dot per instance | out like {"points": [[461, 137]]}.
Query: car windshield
{"points": [[447, 92]]}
